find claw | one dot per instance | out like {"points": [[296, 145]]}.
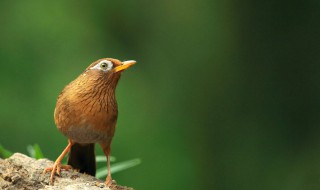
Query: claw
{"points": [[56, 169], [108, 181]]}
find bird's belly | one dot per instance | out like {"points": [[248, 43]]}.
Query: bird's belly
{"points": [[83, 125], [87, 134]]}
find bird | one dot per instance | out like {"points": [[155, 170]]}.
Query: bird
{"points": [[86, 113]]}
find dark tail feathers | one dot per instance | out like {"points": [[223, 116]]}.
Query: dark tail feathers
{"points": [[82, 157]]}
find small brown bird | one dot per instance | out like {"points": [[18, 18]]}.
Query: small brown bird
{"points": [[86, 113]]}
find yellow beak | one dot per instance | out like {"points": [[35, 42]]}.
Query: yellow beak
{"points": [[124, 66]]}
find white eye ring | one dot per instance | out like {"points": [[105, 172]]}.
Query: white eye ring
{"points": [[104, 65]]}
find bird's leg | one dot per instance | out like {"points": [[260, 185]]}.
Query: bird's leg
{"points": [[56, 168], [106, 150]]}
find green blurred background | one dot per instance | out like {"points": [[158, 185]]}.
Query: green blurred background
{"points": [[225, 94]]}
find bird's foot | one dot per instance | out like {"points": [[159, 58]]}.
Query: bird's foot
{"points": [[56, 168], [108, 181]]}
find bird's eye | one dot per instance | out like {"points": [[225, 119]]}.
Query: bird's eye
{"points": [[105, 65]]}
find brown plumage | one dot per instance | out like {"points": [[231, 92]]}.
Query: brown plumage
{"points": [[86, 113]]}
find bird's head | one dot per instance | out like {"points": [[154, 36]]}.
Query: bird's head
{"points": [[109, 66], [106, 70]]}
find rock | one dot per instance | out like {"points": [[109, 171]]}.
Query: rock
{"points": [[22, 172]]}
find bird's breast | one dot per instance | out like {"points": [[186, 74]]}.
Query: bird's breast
{"points": [[87, 119]]}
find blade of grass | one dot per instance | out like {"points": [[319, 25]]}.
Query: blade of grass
{"points": [[102, 158], [4, 153], [30, 151], [102, 172], [35, 151]]}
